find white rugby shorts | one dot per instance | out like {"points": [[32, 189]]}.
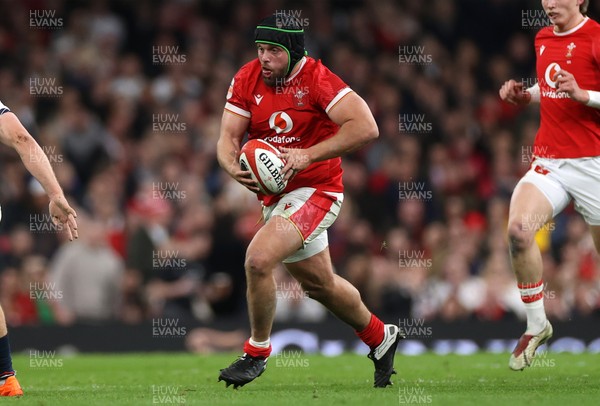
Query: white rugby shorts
{"points": [[311, 212], [561, 180]]}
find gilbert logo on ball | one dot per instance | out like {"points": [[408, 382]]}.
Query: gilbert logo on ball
{"points": [[260, 158]]}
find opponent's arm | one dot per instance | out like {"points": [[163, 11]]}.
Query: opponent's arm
{"points": [[233, 128], [357, 128], [13, 134]]}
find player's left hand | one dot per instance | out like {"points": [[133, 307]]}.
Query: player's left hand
{"points": [[296, 159], [565, 82], [63, 214]]}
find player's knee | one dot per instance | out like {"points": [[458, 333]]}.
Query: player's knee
{"points": [[520, 237], [258, 265]]}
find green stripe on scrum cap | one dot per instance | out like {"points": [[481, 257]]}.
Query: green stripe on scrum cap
{"points": [[279, 29], [260, 41]]}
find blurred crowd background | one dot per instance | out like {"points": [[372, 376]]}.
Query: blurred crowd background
{"points": [[126, 97]]}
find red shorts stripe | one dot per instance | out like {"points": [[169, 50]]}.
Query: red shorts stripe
{"points": [[311, 214]]}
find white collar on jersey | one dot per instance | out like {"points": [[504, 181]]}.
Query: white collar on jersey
{"points": [[302, 63], [572, 30]]}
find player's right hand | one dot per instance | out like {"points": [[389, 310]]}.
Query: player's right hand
{"points": [[245, 178], [512, 92], [63, 214]]}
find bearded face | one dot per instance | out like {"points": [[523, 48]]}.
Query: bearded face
{"points": [[274, 62]]}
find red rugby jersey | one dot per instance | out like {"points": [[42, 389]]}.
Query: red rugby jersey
{"points": [[568, 129], [292, 115]]}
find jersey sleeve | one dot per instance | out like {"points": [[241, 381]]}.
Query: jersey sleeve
{"points": [[328, 88], [237, 102], [3, 108]]}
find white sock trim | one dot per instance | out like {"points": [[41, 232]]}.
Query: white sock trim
{"points": [[260, 344], [531, 291]]}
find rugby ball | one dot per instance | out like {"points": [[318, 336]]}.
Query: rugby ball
{"points": [[260, 158]]}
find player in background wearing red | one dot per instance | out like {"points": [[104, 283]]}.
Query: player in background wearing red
{"points": [[308, 113], [13, 134], [566, 153]]}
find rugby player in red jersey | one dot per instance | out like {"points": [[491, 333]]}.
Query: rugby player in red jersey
{"points": [[308, 113], [13, 134], [566, 153]]}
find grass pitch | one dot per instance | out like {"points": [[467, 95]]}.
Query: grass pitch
{"points": [[297, 379]]}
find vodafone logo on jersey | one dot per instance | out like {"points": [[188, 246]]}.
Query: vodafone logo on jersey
{"points": [[551, 71], [281, 122]]}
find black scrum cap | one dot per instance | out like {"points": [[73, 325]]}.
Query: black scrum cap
{"points": [[284, 32]]}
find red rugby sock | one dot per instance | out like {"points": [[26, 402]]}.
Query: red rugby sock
{"points": [[255, 351], [373, 334]]}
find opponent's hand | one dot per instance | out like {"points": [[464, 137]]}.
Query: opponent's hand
{"points": [[565, 82], [295, 159], [63, 214], [513, 92]]}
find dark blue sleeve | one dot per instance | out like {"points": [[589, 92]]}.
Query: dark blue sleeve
{"points": [[3, 108]]}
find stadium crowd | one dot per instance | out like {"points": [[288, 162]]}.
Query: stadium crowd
{"points": [[126, 98]]}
